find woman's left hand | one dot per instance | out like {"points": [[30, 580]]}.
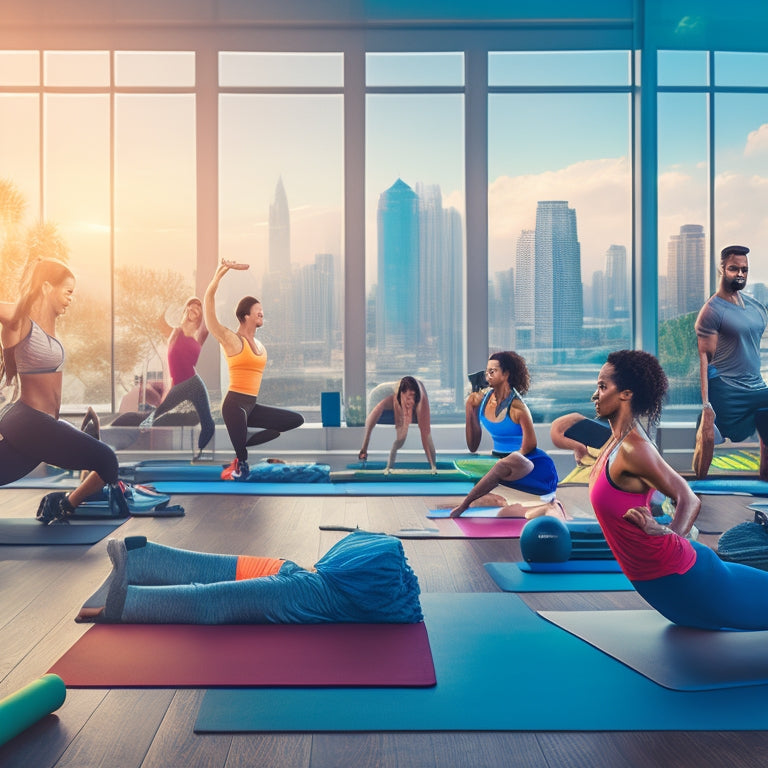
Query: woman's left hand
{"points": [[646, 522]]}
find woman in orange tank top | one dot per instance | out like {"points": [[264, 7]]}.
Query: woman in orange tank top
{"points": [[246, 359]]}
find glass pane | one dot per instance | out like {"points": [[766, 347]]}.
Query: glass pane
{"points": [[683, 68], [281, 188], [684, 275], [19, 68], [420, 69], [19, 184], [72, 68], [77, 196], [281, 70], [155, 238], [741, 180], [560, 218], [415, 244], [741, 69], [155, 68], [567, 68]]}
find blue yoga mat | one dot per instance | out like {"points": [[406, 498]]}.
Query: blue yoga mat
{"points": [[228, 487], [509, 577], [20, 531], [726, 486], [499, 667], [572, 566], [169, 470]]}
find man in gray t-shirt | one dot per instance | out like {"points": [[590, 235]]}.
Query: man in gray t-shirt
{"points": [[734, 395]]}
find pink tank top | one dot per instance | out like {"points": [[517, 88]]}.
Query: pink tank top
{"points": [[182, 358], [641, 557]]}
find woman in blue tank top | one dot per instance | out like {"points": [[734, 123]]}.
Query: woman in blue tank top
{"points": [[522, 465]]}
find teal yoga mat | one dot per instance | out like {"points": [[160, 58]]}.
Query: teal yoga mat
{"points": [[499, 667], [511, 578], [726, 486], [20, 531], [224, 487], [31, 703]]}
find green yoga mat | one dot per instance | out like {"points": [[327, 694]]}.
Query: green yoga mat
{"points": [[16, 531], [499, 667], [30, 704], [223, 487], [511, 578]]}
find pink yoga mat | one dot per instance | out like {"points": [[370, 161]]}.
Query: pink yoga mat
{"points": [[252, 655], [490, 527]]}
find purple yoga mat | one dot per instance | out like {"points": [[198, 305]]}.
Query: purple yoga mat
{"points": [[249, 655]]}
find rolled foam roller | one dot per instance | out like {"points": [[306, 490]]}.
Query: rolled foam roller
{"points": [[30, 704]]}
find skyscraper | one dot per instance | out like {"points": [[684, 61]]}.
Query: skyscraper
{"points": [[617, 282], [398, 276], [559, 303], [687, 270], [279, 231], [525, 270]]}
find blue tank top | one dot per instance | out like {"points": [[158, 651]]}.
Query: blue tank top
{"points": [[506, 434]]}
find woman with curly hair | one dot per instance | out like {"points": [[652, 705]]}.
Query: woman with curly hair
{"points": [[522, 465], [683, 580]]}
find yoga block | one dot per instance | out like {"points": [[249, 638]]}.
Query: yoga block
{"points": [[330, 408]]}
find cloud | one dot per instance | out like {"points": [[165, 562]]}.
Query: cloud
{"points": [[757, 142]]}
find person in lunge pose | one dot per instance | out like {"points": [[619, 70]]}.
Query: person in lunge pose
{"points": [[246, 357], [184, 346], [30, 429], [365, 577], [683, 580], [734, 396]]}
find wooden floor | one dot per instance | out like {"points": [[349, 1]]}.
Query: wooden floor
{"points": [[42, 588]]}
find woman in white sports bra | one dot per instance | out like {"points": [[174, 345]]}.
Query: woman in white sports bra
{"points": [[30, 429]]}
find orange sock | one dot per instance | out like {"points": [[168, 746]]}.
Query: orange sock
{"points": [[249, 567]]}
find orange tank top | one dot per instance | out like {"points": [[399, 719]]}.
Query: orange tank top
{"points": [[246, 369]]}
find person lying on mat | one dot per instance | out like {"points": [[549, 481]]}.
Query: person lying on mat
{"points": [[246, 359], [683, 580], [32, 361], [522, 466], [365, 577], [400, 403], [185, 342]]}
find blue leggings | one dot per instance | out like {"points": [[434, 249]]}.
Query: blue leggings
{"points": [[30, 436], [713, 594]]}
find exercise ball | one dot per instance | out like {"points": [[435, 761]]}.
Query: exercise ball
{"points": [[545, 540]]}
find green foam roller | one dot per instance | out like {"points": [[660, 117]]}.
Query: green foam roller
{"points": [[30, 704]]}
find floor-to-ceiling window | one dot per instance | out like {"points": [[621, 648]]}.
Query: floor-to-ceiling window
{"points": [[560, 217], [281, 189], [414, 192]]}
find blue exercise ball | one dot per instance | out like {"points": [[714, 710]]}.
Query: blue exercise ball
{"points": [[545, 540]]}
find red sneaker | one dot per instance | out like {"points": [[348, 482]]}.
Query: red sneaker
{"points": [[229, 470]]}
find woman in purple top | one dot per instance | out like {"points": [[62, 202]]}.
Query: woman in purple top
{"points": [[184, 345]]}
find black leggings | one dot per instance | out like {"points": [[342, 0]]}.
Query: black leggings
{"points": [[242, 411], [30, 436], [191, 390]]}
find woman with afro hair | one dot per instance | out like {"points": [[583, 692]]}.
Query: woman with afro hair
{"points": [[683, 580], [522, 466]]}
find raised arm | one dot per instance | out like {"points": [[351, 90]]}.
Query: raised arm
{"points": [[472, 428], [228, 339]]}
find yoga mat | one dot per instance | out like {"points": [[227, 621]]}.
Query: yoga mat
{"points": [[499, 667], [679, 658], [473, 528], [30, 704], [421, 466], [169, 470], [142, 501], [15, 531], [509, 577], [740, 460], [59, 481], [489, 513], [398, 475], [572, 566], [224, 487], [727, 486], [196, 656]]}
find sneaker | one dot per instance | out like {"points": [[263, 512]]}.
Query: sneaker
{"points": [[705, 444], [228, 470], [118, 503], [242, 472], [54, 509]]}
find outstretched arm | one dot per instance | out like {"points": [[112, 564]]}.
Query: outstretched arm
{"points": [[227, 338]]}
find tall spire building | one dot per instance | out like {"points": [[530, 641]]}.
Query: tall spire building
{"points": [[279, 231]]}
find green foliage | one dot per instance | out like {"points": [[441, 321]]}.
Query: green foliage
{"points": [[678, 349]]}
